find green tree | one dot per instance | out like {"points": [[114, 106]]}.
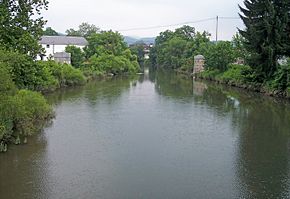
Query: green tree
{"points": [[21, 25], [77, 55], [50, 32], [267, 33], [107, 42], [219, 55], [84, 30], [138, 49], [177, 49]]}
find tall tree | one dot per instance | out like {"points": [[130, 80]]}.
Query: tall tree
{"points": [[266, 34], [50, 32], [84, 30], [21, 25]]}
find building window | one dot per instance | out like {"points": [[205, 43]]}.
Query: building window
{"points": [[47, 46]]}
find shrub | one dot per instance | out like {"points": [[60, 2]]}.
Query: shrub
{"points": [[237, 73], [31, 110], [21, 67], [72, 76], [210, 74], [282, 77], [64, 74]]}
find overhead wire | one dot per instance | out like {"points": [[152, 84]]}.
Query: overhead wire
{"points": [[177, 24]]}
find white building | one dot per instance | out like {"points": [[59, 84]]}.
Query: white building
{"points": [[55, 46]]}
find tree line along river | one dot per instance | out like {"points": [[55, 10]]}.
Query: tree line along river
{"points": [[154, 136]]}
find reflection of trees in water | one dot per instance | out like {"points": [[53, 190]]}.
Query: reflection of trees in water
{"points": [[263, 124], [23, 170], [263, 150], [109, 89], [172, 85]]}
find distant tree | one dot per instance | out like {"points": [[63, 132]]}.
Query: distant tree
{"points": [[50, 32], [107, 42], [77, 55], [84, 30], [267, 33], [176, 49], [219, 56], [138, 49], [21, 25]]}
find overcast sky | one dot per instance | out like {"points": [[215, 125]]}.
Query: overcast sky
{"points": [[127, 14]]}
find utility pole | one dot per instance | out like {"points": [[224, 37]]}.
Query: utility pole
{"points": [[217, 28]]}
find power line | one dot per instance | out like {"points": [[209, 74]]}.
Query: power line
{"points": [[169, 25], [177, 24]]}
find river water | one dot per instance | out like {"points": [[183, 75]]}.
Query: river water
{"points": [[154, 136]]}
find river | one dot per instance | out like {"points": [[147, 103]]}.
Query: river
{"points": [[154, 136]]}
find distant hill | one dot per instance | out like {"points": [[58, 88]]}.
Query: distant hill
{"points": [[132, 40]]}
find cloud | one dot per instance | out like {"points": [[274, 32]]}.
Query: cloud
{"points": [[125, 14]]}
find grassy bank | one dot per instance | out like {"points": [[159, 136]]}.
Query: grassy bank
{"points": [[243, 76]]}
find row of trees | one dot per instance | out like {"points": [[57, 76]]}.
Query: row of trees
{"points": [[106, 52], [264, 44], [176, 50]]}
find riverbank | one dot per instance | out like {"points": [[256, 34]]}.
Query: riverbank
{"points": [[239, 76], [241, 79]]}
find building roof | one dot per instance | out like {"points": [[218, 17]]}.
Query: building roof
{"points": [[63, 40]]}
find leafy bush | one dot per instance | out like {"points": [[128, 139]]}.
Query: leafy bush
{"points": [[22, 113], [210, 74], [72, 76], [219, 56], [21, 67], [77, 56], [107, 63], [237, 73], [64, 74], [282, 77]]}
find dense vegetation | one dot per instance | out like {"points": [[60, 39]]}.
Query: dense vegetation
{"points": [[106, 53], [263, 46]]}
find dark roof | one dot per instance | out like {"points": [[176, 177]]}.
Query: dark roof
{"points": [[63, 40]]}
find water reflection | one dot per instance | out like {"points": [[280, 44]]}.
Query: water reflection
{"points": [[263, 123], [160, 135]]}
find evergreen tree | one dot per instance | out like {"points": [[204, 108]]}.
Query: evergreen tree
{"points": [[266, 34]]}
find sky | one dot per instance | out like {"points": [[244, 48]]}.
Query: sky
{"points": [[120, 15]]}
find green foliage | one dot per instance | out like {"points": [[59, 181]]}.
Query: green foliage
{"points": [[138, 50], [72, 76], [50, 32], [266, 34], [108, 53], [106, 63], [281, 79], [105, 42], [210, 74], [237, 74], [7, 86], [64, 74], [176, 50], [22, 68], [22, 113], [21, 25], [30, 109], [84, 30], [219, 55], [77, 56]]}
